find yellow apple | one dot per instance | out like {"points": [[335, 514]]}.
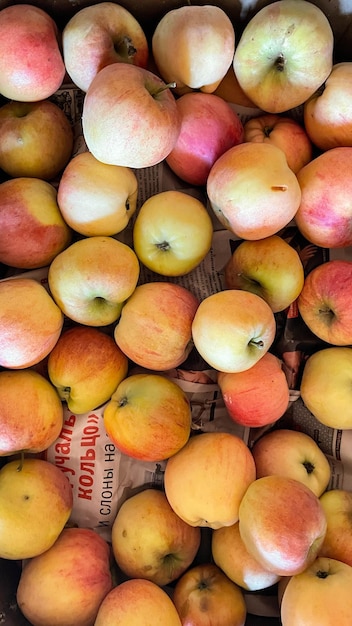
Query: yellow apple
{"points": [[206, 480], [91, 279], [292, 43], [27, 333], [31, 412], [137, 602], [150, 541], [293, 454], [269, 267], [36, 502], [148, 417], [233, 558], [194, 46], [172, 233], [86, 366], [155, 326], [337, 544], [232, 329], [230, 90], [253, 191], [95, 198], [98, 35], [282, 524], [319, 595], [205, 595]]}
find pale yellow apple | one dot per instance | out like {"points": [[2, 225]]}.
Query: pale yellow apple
{"points": [[205, 595], [253, 191], [233, 558], [326, 384], [36, 502], [31, 412], [282, 524], [86, 366], [232, 329], [98, 35], [155, 326], [172, 233], [92, 278], [337, 544], [30, 323], [137, 602], [148, 417], [66, 584], [150, 541], [194, 46], [269, 267], [292, 43], [294, 454], [206, 480], [319, 595]]}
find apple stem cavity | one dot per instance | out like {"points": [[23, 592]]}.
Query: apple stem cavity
{"points": [[122, 402], [258, 343], [125, 48]]}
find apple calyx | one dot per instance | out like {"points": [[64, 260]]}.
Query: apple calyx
{"points": [[322, 574], [164, 246], [308, 466], [125, 48], [122, 402], [327, 314], [267, 130], [280, 63]]}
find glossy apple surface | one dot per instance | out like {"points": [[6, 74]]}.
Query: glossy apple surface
{"points": [[337, 544], [148, 417], [293, 44], [98, 35], [86, 366], [282, 524], [233, 329], [92, 278], [172, 233], [67, 583], [252, 190], [144, 118], [150, 541], [293, 454], [206, 480]]}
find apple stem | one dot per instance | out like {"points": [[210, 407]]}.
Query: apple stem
{"points": [[279, 187], [162, 88], [20, 466]]}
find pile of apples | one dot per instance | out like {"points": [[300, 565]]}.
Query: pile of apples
{"points": [[80, 328]]}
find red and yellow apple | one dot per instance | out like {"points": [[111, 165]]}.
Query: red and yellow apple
{"points": [[150, 541], [337, 544]]}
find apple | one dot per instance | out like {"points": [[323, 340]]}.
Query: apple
{"points": [[31, 64], [142, 407], [269, 267], [252, 190], [96, 199], [325, 302], [137, 602], [326, 181], [319, 595], [230, 91], [257, 396], [282, 524], [232, 329], [31, 412], [292, 42], [326, 384], [293, 454], [172, 233], [284, 132], [30, 323], [155, 326], [327, 116], [135, 128], [150, 541], [337, 544], [92, 278], [86, 366], [231, 555], [209, 127], [36, 139], [36, 502], [204, 595], [194, 46], [32, 229], [65, 585], [99, 35], [206, 480]]}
